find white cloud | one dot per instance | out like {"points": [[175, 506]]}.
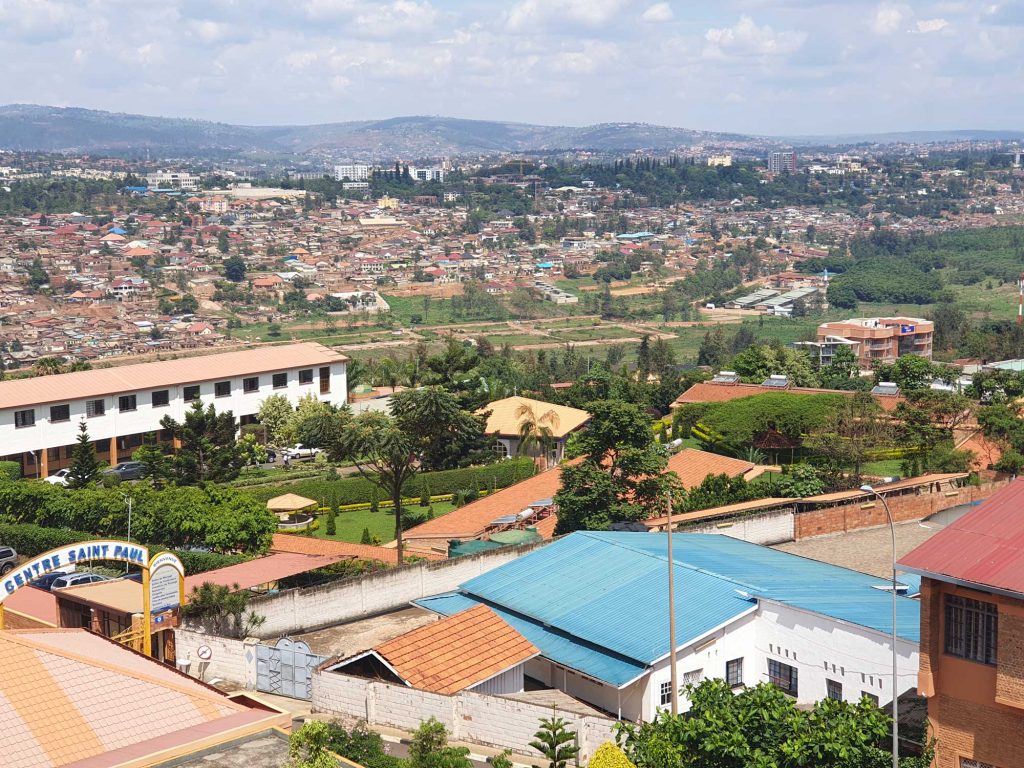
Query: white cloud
{"points": [[586, 60], [924, 26], [659, 12], [889, 18], [541, 13], [745, 38], [397, 17]]}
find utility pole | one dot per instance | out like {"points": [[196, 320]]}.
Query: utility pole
{"points": [[671, 608]]}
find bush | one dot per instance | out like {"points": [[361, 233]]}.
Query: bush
{"points": [[609, 756], [359, 490], [10, 470], [200, 562]]}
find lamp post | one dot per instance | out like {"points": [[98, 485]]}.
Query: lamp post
{"points": [[128, 500], [671, 607], [895, 672]]}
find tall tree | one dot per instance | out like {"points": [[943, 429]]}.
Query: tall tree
{"points": [[442, 434], [620, 476], [85, 466], [536, 431], [234, 269], [276, 414], [208, 449]]}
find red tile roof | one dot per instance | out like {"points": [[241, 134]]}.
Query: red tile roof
{"points": [[306, 545], [692, 466], [458, 652], [985, 547], [263, 570]]}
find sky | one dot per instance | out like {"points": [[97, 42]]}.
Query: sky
{"points": [[765, 67]]}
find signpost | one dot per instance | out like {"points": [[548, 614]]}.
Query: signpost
{"points": [[163, 577]]}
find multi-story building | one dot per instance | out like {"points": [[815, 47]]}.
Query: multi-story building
{"points": [[882, 339], [352, 172], [972, 634], [427, 174], [122, 407], [172, 180], [719, 161], [782, 162]]}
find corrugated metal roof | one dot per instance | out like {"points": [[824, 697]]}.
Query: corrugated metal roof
{"points": [[984, 547]]}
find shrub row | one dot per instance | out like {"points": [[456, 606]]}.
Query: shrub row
{"points": [[31, 540], [359, 490], [10, 470]]}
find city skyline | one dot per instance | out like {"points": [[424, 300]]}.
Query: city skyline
{"points": [[761, 67]]}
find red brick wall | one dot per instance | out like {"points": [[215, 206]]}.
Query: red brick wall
{"points": [[987, 734], [15, 620], [871, 513]]}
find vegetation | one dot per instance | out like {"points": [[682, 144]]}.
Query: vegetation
{"points": [[221, 610], [761, 726], [555, 742], [85, 466], [208, 449]]}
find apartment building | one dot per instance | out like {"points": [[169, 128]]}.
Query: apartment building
{"points": [[352, 172], [782, 162], [123, 406], [972, 634], [881, 339], [172, 180]]}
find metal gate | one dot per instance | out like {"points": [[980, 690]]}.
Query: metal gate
{"points": [[286, 668]]}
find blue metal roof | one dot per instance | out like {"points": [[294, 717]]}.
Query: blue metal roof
{"points": [[556, 646]]}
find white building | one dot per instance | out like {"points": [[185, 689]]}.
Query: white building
{"points": [[595, 605], [352, 172], [435, 173], [172, 180], [39, 417]]}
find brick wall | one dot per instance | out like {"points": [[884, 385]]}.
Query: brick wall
{"points": [[871, 513], [765, 528], [987, 734], [303, 610], [15, 620], [493, 721], [1010, 670]]}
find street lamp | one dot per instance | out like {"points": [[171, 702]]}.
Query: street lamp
{"points": [[128, 500], [895, 672]]}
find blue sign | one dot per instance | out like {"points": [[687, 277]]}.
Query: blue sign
{"points": [[907, 328]]}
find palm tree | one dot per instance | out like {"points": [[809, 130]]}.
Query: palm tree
{"points": [[536, 432], [47, 366]]}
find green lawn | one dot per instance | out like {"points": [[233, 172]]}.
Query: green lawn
{"points": [[884, 468], [350, 524]]}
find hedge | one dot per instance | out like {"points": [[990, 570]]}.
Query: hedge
{"points": [[359, 490], [10, 470], [31, 540]]}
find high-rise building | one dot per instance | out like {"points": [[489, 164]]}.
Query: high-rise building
{"points": [[881, 339], [782, 162], [353, 172]]}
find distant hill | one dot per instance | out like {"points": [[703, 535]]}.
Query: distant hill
{"points": [[31, 127], [908, 137]]}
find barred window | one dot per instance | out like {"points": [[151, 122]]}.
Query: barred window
{"points": [[971, 629], [783, 676]]}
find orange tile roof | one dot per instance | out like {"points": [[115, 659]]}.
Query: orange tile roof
{"points": [[69, 696], [473, 519], [307, 545], [712, 392], [692, 466], [262, 570], [163, 373], [458, 652]]}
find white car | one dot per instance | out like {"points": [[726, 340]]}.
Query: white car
{"points": [[60, 477], [300, 451]]}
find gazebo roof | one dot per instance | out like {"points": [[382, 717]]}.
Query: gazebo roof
{"points": [[773, 439], [289, 502]]}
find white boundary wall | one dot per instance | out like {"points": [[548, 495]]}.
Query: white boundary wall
{"points": [[492, 721], [303, 610]]}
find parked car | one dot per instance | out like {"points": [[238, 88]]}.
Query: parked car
{"points": [[127, 470], [60, 477], [75, 579], [300, 451], [8, 559], [271, 455], [45, 581]]}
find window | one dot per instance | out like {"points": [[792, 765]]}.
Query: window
{"points": [[693, 677], [191, 393], [280, 380], [782, 675], [870, 697], [325, 380], [734, 672], [126, 403], [251, 384], [161, 398], [306, 376], [971, 627], [834, 690], [53, 454], [222, 389], [501, 449], [60, 412], [95, 408], [25, 418], [966, 762], [666, 694]]}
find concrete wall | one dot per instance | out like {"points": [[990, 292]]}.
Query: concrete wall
{"points": [[870, 513], [766, 528], [229, 662], [303, 610], [477, 718]]}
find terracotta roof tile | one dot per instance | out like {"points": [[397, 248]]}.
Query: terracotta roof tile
{"points": [[712, 392], [456, 653], [307, 545], [505, 420], [692, 466]]}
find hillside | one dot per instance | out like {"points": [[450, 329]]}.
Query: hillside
{"points": [[30, 127]]}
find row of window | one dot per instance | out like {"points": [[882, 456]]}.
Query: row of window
{"points": [[733, 676], [162, 397]]}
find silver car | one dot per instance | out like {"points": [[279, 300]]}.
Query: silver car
{"points": [[8, 559]]}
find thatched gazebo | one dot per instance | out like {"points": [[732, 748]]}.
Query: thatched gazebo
{"points": [[289, 505], [773, 441]]}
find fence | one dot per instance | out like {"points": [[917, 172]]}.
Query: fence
{"points": [[493, 721], [305, 609]]}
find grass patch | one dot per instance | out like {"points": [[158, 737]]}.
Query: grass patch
{"points": [[350, 524]]}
